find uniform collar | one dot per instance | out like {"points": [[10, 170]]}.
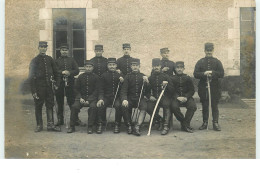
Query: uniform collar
{"points": [[165, 59], [126, 56]]}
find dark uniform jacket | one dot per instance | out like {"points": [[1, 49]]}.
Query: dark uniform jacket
{"points": [[108, 85], [42, 68], [86, 86], [124, 64], [132, 86], [183, 86], [167, 63], [100, 65], [67, 63], [155, 85], [214, 65]]}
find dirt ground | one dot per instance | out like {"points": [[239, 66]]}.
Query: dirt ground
{"points": [[236, 140]]}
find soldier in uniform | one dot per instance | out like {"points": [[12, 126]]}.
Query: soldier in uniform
{"points": [[67, 68], [157, 80], [168, 66], [211, 67], [124, 63], [130, 94], [100, 67], [184, 90], [110, 81], [42, 72], [86, 91]]}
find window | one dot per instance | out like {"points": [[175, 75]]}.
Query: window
{"points": [[69, 26]]}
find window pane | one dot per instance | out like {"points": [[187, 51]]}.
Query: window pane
{"points": [[60, 21], [78, 39], [61, 37], [79, 57], [79, 25]]}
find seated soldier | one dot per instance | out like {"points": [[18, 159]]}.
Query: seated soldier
{"points": [[86, 91], [157, 81], [130, 94], [110, 81], [183, 97]]}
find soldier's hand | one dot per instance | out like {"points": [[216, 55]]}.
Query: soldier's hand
{"points": [[125, 103], [179, 98], [86, 102], [145, 78], [118, 71], [165, 69], [207, 73], [164, 83], [35, 96], [121, 79], [67, 73], [152, 98], [100, 103], [82, 101], [184, 99]]}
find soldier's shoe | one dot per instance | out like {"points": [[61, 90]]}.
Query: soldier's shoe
{"points": [[80, 123], [90, 130], [38, 129], [129, 129], [71, 130], [54, 128], [99, 128], [204, 126], [165, 130], [117, 128], [136, 131], [186, 129], [216, 126]]}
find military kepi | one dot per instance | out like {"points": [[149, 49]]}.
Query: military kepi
{"points": [[209, 46], [156, 62], [136, 61], [111, 60], [126, 45], [163, 50], [89, 62], [99, 47], [179, 64], [43, 44], [64, 45]]}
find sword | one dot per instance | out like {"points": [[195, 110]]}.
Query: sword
{"points": [[210, 109]]}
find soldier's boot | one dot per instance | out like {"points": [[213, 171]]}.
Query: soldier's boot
{"points": [[216, 126], [99, 128], [60, 121], [204, 126], [129, 128], [186, 128], [139, 123], [38, 115], [90, 129], [159, 119], [166, 128], [71, 129], [50, 123], [117, 128]]}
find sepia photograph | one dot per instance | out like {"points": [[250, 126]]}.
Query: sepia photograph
{"points": [[130, 79]]}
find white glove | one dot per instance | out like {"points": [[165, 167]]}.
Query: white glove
{"points": [[125, 103]]}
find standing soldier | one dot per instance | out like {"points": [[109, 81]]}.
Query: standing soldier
{"points": [[168, 66], [110, 82], [209, 67], [124, 63], [130, 94], [100, 67], [67, 68], [42, 72], [183, 97], [86, 91], [157, 80]]}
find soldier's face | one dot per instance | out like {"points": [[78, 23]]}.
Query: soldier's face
{"points": [[127, 51], [165, 54], [64, 52], [42, 50], [99, 53], [209, 53], [111, 66], [180, 69], [89, 68], [157, 68], [135, 67]]}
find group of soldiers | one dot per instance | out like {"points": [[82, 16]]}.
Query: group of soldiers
{"points": [[119, 84]]}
